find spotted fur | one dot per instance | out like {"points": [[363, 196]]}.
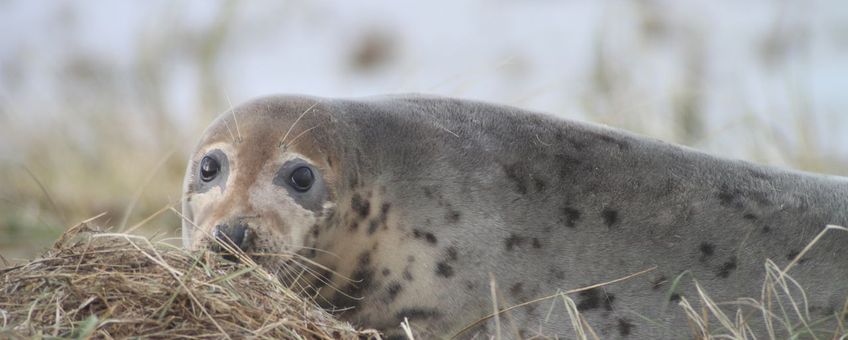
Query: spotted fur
{"points": [[424, 198]]}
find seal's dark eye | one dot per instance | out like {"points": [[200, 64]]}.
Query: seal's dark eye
{"points": [[209, 168], [302, 178]]}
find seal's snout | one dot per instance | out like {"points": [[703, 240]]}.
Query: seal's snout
{"points": [[237, 234]]}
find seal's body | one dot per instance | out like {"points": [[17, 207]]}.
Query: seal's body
{"points": [[411, 207]]}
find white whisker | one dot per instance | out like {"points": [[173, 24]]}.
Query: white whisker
{"points": [[291, 143], [282, 140], [232, 136], [233, 111]]}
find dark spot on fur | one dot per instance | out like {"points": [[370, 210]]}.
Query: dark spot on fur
{"points": [[452, 216], [452, 255], [386, 272], [513, 241], [536, 243], [610, 217], [792, 254], [443, 269], [518, 176], [539, 184], [707, 249], [734, 198], [324, 277], [608, 302], [384, 212], [362, 279], [589, 299], [568, 165], [729, 197], [359, 205], [674, 297], [766, 229], [353, 225], [364, 259], [750, 217], [407, 275], [516, 289], [426, 235], [470, 285], [823, 311], [658, 282], [624, 327], [393, 289], [418, 313], [372, 226], [571, 216], [726, 268]]}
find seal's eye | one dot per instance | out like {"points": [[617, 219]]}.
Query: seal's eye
{"points": [[209, 168], [302, 178]]}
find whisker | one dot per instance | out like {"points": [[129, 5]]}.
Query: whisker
{"points": [[295, 257], [290, 143], [232, 136], [328, 284], [282, 140], [233, 111], [322, 251]]}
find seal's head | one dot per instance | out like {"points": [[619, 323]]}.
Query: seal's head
{"points": [[259, 178]]}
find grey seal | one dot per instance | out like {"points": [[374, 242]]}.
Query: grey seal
{"points": [[411, 206]]}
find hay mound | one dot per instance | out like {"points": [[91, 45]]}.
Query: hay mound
{"points": [[115, 286]]}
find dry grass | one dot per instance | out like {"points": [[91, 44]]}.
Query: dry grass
{"points": [[118, 285]]}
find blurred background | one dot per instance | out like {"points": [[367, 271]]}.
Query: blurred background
{"points": [[100, 101]]}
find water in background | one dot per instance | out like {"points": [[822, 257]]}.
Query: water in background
{"points": [[100, 101]]}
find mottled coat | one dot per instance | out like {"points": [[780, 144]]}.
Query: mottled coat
{"points": [[418, 201]]}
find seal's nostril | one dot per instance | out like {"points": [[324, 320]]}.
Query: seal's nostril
{"points": [[232, 234]]}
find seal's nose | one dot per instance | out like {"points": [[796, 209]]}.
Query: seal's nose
{"points": [[235, 234]]}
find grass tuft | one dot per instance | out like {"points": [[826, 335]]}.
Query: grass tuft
{"points": [[104, 285]]}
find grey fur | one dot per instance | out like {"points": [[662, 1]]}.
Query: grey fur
{"points": [[433, 194]]}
